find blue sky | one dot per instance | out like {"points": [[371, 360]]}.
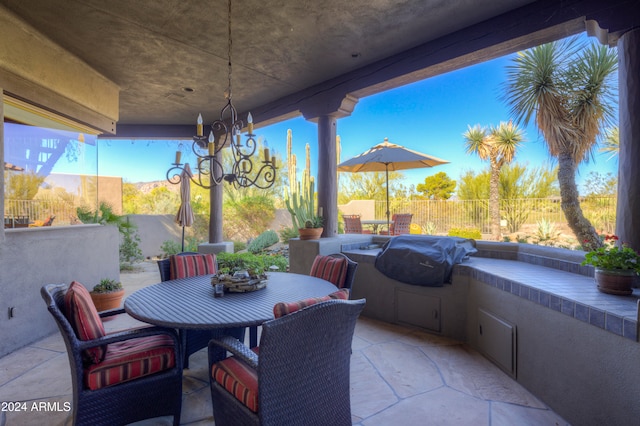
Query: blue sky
{"points": [[428, 116]]}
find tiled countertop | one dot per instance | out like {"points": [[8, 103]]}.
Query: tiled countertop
{"points": [[572, 294]]}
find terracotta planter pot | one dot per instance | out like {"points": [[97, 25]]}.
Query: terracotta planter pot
{"points": [[106, 301], [310, 233], [614, 281]]}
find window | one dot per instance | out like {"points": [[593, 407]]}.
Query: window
{"points": [[48, 174]]}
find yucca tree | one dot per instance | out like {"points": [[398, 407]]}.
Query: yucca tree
{"points": [[498, 145], [611, 143], [568, 88]]}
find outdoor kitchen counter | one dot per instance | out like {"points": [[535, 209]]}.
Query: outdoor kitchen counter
{"points": [[533, 311], [556, 284]]}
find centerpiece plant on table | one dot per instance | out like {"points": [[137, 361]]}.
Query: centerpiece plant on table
{"points": [[616, 266]]}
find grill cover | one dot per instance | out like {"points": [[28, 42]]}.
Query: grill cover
{"points": [[423, 260]]}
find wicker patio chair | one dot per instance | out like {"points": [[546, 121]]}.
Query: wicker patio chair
{"points": [[154, 395], [194, 340], [329, 270], [301, 375]]}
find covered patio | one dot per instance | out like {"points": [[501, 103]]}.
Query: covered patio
{"points": [[398, 374], [125, 71]]}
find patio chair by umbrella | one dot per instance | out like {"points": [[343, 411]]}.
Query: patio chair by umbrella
{"points": [[388, 156], [185, 217]]}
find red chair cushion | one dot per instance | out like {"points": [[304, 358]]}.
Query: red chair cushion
{"points": [[191, 265], [282, 308], [131, 359], [329, 268], [238, 379], [84, 318], [241, 380]]}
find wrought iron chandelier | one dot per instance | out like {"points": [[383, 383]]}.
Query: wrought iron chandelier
{"points": [[226, 131]]}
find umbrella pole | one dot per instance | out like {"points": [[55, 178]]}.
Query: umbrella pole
{"points": [[386, 167], [183, 238]]}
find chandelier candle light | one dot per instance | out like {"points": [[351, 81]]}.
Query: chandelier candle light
{"points": [[227, 132]]}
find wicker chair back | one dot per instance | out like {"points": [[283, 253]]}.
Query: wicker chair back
{"points": [[193, 340], [303, 369]]}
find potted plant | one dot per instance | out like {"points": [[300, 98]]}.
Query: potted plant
{"points": [[107, 295], [312, 228], [299, 199], [616, 266]]}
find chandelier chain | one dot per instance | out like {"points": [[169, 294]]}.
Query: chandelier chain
{"points": [[229, 47], [247, 170]]}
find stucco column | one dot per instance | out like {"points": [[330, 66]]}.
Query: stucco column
{"points": [[628, 206], [325, 109], [327, 174]]}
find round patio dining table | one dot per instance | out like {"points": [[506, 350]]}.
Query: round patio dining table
{"points": [[189, 303]]}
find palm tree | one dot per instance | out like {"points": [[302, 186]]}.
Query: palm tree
{"points": [[569, 90], [498, 145]]}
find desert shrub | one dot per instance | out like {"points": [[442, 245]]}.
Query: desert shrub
{"points": [[262, 241], [229, 263], [129, 250], [429, 228], [288, 233], [103, 215], [547, 231], [239, 246], [472, 233], [170, 247]]}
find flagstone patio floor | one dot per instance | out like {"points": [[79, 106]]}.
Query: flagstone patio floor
{"points": [[399, 376]]}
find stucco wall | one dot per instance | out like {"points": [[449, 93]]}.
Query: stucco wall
{"points": [[33, 257], [365, 208], [153, 230], [587, 375]]}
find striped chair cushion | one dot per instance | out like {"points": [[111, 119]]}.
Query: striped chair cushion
{"points": [[131, 359], [191, 265], [282, 308], [241, 380], [238, 379], [84, 318], [331, 269]]}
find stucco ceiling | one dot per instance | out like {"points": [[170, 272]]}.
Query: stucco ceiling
{"points": [[158, 50]]}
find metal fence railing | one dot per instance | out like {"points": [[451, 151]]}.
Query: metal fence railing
{"points": [[442, 215], [438, 215], [40, 210]]}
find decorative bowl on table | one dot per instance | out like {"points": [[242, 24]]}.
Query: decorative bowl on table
{"points": [[240, 282]]}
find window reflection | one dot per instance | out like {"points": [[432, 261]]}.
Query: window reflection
{"points": [[48, 174]]}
